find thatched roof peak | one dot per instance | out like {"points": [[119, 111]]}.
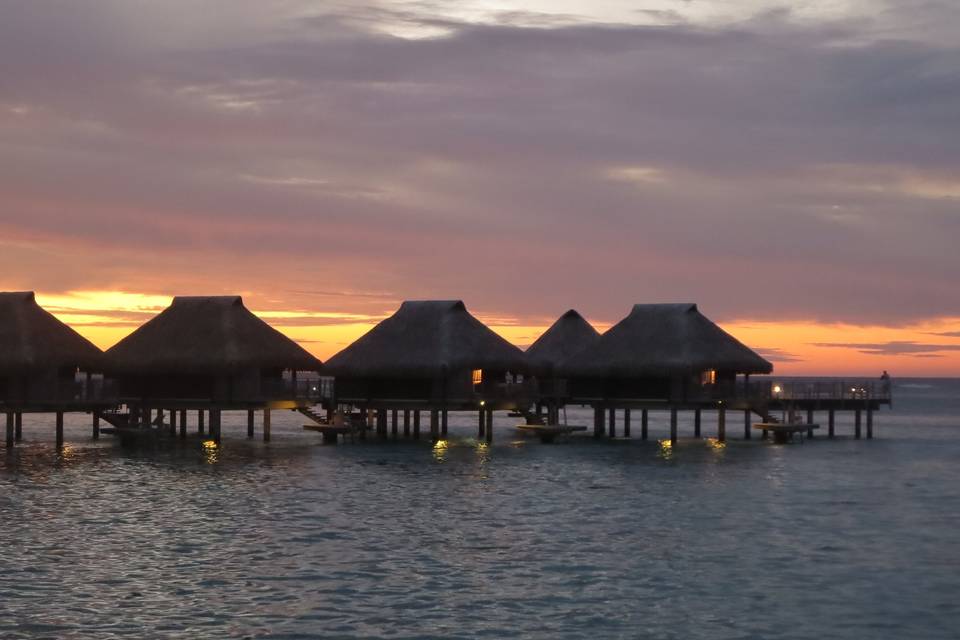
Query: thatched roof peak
{"points": [[426, 338], [31, 338], [570, 334], [208, 335], [664, 339]]}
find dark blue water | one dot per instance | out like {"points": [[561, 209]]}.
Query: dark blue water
{"points": [[828, 539]]}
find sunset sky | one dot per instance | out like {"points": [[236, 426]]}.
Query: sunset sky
{"points": [[796, 172]]}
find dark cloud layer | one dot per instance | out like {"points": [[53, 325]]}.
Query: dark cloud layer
{"points": [[767, 170], [895, 348]]}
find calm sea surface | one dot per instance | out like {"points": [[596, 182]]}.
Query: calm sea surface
{"points": [[829, 539]]}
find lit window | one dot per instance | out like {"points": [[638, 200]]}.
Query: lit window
{"points": [[477, 376], [708, 377]]}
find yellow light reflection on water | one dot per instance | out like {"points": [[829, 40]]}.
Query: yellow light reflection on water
{"points": [[440, 450], [211, 452], [716, 445], [666, 449]]}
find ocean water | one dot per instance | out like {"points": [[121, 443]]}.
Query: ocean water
{"points": [[627, 539]]}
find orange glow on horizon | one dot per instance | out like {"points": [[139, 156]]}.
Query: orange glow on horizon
{"points": [[795, 347]]}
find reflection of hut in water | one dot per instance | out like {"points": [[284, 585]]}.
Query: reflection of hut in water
{"points": [[208, 353], [669, 355], [40, 358], [431, 355], [570, 334]]}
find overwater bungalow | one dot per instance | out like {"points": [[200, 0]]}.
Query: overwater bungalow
{"points": [[569, 335], [667, 355], [40, 359], [429, 355], [208, 353]]}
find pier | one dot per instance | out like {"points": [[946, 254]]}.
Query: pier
{"points": [[177, 373]]}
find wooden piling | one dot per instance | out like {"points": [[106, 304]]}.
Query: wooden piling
{"points": [[443, 423], [406, 423], [393, 423], [869, 423], [644, 423], [416, 424], [215, 424], [626, 423], [183, 424], [10, 429], [856, 424], [266, 424], [200, 421], [613, 422], [696, 423], [489, 427], [831, 421], [173, 423], [597, 422], [746, 424], [250, 420], [722, 424], [59, 429], [481, 429], [673, 425], [18, 427]]}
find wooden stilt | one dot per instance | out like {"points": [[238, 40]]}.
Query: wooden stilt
{"points": [[183, 424], [173, 422], [266, 424], [381, 423], [489, 428], [613, 422], [831, 420], [10, 429], [483, 423], [393, 423], [598, 422], [856, 424], [626, 423], [250, 420], [746, 424], [722, 424], [696, 423], [869, 423], [406, 423], [673, 425], [444, 418], [215, 424], [416, 424], [59, 429], [200, 421], [18, 426], [810, 416], [644, 423]]}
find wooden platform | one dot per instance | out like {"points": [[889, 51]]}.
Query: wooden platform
{"points": [[549, 432], [783, 432]]}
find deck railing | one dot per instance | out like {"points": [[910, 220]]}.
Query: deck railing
{"points": [[849, 389]]}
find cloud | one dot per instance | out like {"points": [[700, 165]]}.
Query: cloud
{"points": [[774, 168], [775, 354], [946, 334], [894, 348]]}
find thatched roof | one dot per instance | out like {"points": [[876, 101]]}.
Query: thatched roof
{"points": [[32, 339], [206, 335], [426, 339], [570, 334], [664, 339]]}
